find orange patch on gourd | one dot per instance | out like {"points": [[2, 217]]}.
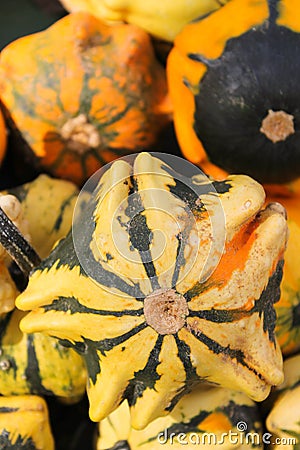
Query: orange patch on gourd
{"points": [[216, 421]]}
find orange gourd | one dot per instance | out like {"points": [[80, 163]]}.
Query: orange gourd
{"points": [[82, 93], [3, 137]]}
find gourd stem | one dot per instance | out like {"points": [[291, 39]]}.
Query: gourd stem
{"points": [[277, 125], [16, 245], [80, 134]]}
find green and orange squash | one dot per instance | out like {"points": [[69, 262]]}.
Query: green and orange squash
{"points": [[74, 107], [153, 298]]}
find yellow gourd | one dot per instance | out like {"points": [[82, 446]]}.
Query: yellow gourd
{"points": [[47, 205], [8, 291], [163, 19], [42, 210], [283, 421], [204, 419], [33, 363], [24, 423]]}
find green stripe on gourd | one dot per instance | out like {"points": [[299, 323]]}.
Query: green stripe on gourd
{"points": [[203, 418], [283, 419], [24, 423], [47, 206], [148, 326], [37, 364]]}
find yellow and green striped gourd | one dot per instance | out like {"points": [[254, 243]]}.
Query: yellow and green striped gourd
{"points": [[151, 317]]}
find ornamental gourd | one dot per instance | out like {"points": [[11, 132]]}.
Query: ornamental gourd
{"points": [[37, 364], [239, 81], [34, 363], [24, 424], [74, 107], [152, 297], [47, 206], [202, 419], [163, 20], [11, 206], [42, 211], [3, 137], [283, 420]]}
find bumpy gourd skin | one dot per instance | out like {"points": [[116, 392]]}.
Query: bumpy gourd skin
{"points": [[80, 105], [24, 424], [288, 307], [204, 411], [147, 323]]}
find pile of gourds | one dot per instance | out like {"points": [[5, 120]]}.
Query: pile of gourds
{"points": [[172, 300]]}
